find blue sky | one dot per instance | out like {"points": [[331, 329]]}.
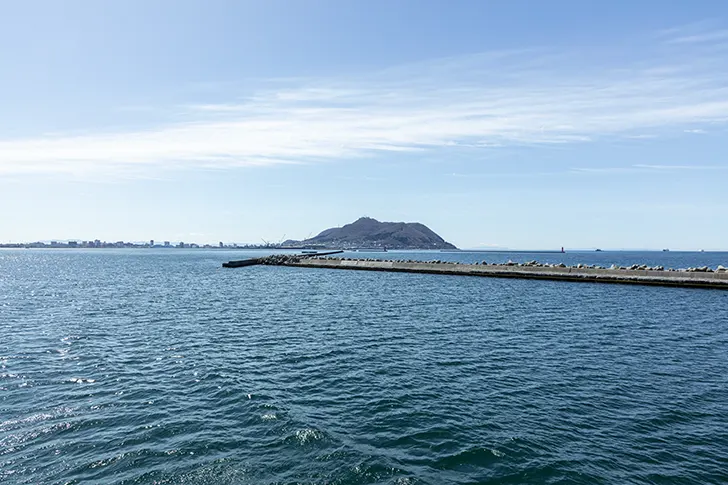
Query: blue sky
{"points": [[519, 124]]}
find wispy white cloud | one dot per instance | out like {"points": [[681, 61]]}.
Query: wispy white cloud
{"points": [[680, 167], [695, 131], [494, 175], [602, 170], [702, 31], [642, 136], [479, 102], [710, 36], [643, 167]]}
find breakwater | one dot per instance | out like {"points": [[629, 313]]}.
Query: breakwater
{"points": [[275, 259], [699, 277]]}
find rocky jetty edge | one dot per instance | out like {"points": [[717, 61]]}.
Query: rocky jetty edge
{"points": [[697, 277]]}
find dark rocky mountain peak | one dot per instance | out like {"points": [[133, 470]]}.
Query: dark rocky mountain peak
{"points": [[367, 232]]}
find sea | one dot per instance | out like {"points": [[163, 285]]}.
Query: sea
{"points": [[145, 366]]}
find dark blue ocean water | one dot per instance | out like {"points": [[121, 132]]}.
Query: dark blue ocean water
{"points": [[159, 367]]}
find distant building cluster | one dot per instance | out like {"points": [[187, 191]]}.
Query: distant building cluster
{"points": [[96, 243]]}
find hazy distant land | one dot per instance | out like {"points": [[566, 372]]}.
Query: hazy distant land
{"points": [[364, 233]]}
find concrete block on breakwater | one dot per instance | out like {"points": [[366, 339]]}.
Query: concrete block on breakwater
{"points": [[702, 277], [275, 259], [580, 273]]}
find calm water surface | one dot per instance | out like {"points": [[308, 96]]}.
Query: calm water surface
{"points": [[159, 367]]}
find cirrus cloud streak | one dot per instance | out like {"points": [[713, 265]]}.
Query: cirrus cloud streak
{"points": [[480, 102]]}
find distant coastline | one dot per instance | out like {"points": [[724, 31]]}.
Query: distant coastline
{"points": [[278, 247], [150, 245], [534, 251]]}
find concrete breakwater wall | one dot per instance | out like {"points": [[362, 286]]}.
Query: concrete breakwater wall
{"points": [[275, 259], [692, 277]]}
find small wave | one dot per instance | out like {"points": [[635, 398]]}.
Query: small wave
{"points": [[373, 470], [308, 435], [30, 419], [72, 338], [14, 442], [476, 456], [81, 380], [59, 412]]}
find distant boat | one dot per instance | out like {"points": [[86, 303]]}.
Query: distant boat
{"points": [[598, 250], [665, 250]]}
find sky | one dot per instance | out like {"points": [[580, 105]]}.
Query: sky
{"points": [[499, 124]]}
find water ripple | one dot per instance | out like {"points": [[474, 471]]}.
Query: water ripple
{"points": [[135, 367]]}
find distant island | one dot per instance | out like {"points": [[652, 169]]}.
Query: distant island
{"points": [[368, 233]]}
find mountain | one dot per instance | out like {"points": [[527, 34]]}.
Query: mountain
{"points": [[370, 233]]}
